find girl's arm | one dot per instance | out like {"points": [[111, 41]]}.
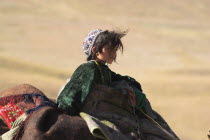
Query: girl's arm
{"points": [[76, 90], [130, 80]]}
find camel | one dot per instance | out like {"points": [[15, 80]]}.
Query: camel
{"points": [[50, 123]]}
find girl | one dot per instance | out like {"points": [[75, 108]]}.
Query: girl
{"points": [[100, 92], [101, 48]]}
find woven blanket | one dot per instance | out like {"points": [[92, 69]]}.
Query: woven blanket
{"points": [[106, 103]]}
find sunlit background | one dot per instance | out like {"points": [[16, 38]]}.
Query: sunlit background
{"points": [[167, 50]]}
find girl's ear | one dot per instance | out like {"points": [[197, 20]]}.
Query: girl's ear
{"points": [[93, 50]]}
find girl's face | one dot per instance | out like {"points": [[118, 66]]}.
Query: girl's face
{"points": [[107, 55]]}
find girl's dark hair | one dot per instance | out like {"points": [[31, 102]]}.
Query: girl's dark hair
{"points": [[110, 38]]}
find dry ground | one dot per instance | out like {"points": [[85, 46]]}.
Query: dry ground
{"points": [[166, 50]]}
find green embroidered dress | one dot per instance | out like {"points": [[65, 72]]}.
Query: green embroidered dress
{"points": [[83, 80]]}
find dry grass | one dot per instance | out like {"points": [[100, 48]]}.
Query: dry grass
{"points": [[167, 50]]}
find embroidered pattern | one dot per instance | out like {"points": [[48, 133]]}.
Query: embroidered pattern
{"points": [[89, 41], [10, 113]]}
